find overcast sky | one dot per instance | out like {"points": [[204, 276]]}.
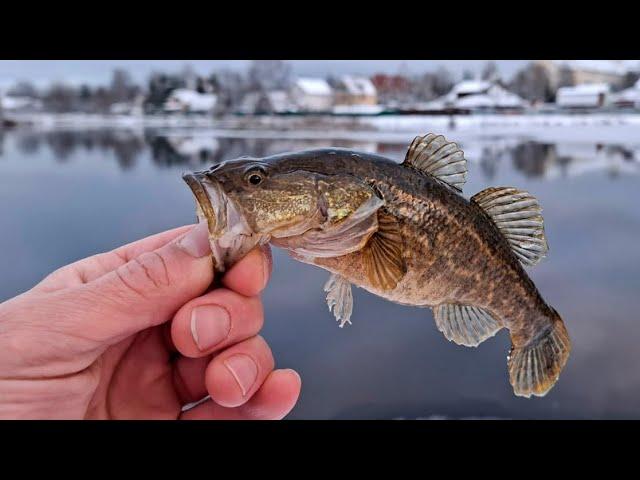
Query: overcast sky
{"points": [[42, 72]]}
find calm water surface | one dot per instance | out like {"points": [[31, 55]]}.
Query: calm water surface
{"points": [[67, 195]]}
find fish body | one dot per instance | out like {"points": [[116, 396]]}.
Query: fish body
{"points": [[403, 232]]}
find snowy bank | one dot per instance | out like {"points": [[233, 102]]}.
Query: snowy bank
{"points": [[595, 127]]}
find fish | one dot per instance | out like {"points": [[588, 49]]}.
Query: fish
{"points": [[402, 231]]}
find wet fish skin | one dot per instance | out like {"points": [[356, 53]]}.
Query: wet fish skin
{"points": [[451, 250]]}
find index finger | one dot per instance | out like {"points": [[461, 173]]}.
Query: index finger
{"points": [[95, 266]]}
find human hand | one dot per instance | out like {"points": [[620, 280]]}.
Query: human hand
{"points": [[133, 333]]}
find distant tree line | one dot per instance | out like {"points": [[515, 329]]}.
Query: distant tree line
{"points": [[532, 83]]}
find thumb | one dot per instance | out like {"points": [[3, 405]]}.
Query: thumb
{"points": [[147, 290]]}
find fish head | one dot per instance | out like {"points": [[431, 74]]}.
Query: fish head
{"points": [[250, 201], [246, 203]]}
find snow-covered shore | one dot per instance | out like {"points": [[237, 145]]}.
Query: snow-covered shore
{"points": [[603, 127]]}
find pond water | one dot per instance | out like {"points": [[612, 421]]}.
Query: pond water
{"points": [[65, 195]]}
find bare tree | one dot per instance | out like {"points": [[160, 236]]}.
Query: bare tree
{"points": [[230, 87], [422, 87], [467, 74], [160, 87], [122, 87], [628, 81], [490, 72], [431, 85], [23, 89], [189, 77], [60, 98], [265, 75], [443, 82], [533, 83]]}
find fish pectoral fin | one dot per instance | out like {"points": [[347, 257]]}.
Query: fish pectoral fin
{"points": [[517, 214], [441, 159], [465, 324], [382, 255], [339, 298]]}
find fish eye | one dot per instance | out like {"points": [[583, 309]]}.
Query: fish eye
{"points": [[255, 176]]}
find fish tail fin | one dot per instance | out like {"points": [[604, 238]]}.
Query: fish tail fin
{"points": [[535, 367]]}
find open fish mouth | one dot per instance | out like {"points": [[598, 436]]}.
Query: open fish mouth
{"points": [[230, 236]]}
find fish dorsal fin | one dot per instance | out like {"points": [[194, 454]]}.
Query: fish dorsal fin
{"points": [[518, 216], [465, 324], [339, 298], [382, 255], [441, 159]]}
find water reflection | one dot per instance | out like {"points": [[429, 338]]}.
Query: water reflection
{"points": [[104, 188], [532, 159]]}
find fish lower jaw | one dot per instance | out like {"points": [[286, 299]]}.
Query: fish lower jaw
{"points": [[232, 246]]}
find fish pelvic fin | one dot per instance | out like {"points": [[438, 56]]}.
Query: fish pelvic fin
{"points": [[535, 367], [382, 256], [517, 214], [339, 298], [465, 324], [443, 160]]}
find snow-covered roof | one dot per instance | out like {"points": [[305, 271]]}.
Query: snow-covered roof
{"points": [[629, 95], [474, 94], [193, 100], [17, 103], [612, 67], [358, 85], [467, 87], [475, 101], [584, 95], [584, 89], [313, 86]]}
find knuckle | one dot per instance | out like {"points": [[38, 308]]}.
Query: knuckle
{"points": [[147, 272], [259, 315], [247, 306], [250, 314], [263, 346]]}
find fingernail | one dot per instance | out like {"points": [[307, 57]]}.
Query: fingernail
{"points": [[267, 263], [244, 370], [196, 241], [210, 325], [295, 373]]}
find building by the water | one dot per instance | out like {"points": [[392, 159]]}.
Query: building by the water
{"points": [[312, 95], [589, 95], [576, 72], [477, 96]]}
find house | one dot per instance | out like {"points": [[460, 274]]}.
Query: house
{"points": [[590, 95], [576, 72], [11, 103], [312, 95], [352, 90], [276, 101], [629, 98], [391, 88], [477, 95], [190, 101]]}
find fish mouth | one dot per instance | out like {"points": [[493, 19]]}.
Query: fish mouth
{"points": [[230, 236], [204, 207]]}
